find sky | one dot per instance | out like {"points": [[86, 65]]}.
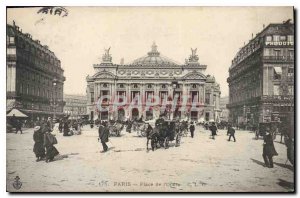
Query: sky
{"points": [[80, 38]]}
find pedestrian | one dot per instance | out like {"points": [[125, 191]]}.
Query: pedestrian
{"points": [[18, 126], [60, 125], [49, 123], [192, 129], [268, 149], [66, 128], [49, 141], [38, 148], [103, 136], [231, 132], [213, 130]]}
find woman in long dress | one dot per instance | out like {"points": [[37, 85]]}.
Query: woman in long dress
{"points": [[51, 151], [38, 148]]}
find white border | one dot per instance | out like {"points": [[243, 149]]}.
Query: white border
{"points": [[5, 3]]}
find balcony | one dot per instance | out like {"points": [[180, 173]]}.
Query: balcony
{"points": [[280, 98], [278, 58]]}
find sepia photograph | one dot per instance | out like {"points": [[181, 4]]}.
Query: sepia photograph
{"points": [[150, 99]]}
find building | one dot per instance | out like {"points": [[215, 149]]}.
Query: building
{"points": [[76, 106], [34, 79], [261, 77], [224, 115], [151, 86]]}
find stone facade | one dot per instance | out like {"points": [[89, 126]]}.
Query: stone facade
{"points": [[75, 106], [261, 77], [35, 80], [150, 76]]}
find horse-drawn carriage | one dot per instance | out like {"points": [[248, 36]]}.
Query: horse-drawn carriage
{"points": [[115, 129], [163, 132]]}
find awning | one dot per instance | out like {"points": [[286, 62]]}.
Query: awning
{"points": [[278, 70], [17, 113]]}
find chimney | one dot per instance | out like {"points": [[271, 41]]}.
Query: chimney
{"points": [[252, 35], [263, 25], [122, 61]]}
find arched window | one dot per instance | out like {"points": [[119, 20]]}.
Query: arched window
{"points": [[149, 86], [163, 86], [194, 86]]}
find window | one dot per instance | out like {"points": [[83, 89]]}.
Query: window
{"points": [[163, 86], [194, 86], [282, 38], [149, 86], [121, 85], [290, 72], [277, 73], [135, 86], [92, 96], [291, 90], [11, 40], [269, 38], [11, 51], [276, 38], [104, 85], [291, 54], [277, 52], [268, 52], [276, 90], [290, 38], [207, 98]]}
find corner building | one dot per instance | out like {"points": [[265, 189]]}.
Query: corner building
{"points": [[153, 75], [261, 77], [34, 78]]}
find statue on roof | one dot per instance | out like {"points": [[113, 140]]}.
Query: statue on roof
{"points": [[193, 57], [106, 57]]}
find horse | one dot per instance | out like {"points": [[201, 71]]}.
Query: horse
{"points": [[162, 134]]}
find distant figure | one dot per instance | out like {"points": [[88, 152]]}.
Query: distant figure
{"points": [[268, 149], [92, 124], [103, 136], [38, 148], [231, 132], [66, 128], [49, 123], [51, 151], [18, 126], [60, 125], [192, 129], [213, 130]]}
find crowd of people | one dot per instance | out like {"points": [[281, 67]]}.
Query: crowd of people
{"points": [[44, 141]]}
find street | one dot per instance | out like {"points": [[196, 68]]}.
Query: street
{"points": [[199, 164]]}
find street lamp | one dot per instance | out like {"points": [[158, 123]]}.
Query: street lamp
{"points": [[54, 98], [174, 86]]}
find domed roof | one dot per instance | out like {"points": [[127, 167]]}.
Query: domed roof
{"points": [[154, 58]]}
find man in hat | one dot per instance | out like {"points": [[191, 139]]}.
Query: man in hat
{"points": [[268, 149], [213, 130], [103, 135], [231, 132], [192, 129]]}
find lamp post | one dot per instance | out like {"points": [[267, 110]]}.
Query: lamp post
{"points": [[54, 98], [174, 86]]}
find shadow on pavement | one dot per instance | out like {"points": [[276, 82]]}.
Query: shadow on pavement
{"points": [[258, 162], [285, 184], [291, 168]]}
